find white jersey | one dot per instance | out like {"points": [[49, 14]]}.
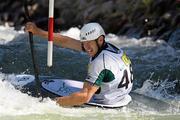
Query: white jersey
{"points": [[111, 70]]}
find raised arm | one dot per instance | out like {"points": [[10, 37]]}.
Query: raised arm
{"points": [[63, 41]]}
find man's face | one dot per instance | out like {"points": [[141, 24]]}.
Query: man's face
{"points": [[90, 47]]}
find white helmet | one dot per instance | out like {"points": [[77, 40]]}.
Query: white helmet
{"points": [[91, 31]]}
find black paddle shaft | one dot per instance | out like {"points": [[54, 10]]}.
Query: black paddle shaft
{"points": [[36, 71]]}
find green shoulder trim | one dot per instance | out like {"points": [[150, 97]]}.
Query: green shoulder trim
{"points": [[104, 76]]}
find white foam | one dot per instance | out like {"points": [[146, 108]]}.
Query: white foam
{"points": [[158, 89], [13, 102], [7, 34], [72, 32]]}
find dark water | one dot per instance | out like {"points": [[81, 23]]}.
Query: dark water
{"points": [[66, 63]]}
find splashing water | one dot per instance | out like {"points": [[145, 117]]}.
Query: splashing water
{"points": [[155, 63]]}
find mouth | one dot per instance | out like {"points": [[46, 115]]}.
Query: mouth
{"points": [[89, 51]]}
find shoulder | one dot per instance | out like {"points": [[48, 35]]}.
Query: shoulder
{"points": [[98, 62], [112, 53]]}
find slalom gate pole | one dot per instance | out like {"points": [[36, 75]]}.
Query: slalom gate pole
{"points": [[36, 72], [50, 33]]}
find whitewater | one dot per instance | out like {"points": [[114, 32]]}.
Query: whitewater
{"points": [[156, 72]]}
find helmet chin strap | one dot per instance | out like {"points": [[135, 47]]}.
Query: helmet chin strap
{"points": [[99, 47]]}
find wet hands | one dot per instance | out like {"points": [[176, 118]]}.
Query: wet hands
{"points": [[31, 27], [57, 100]]}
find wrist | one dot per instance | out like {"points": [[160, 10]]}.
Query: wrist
{"points": [[37, 31]]}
